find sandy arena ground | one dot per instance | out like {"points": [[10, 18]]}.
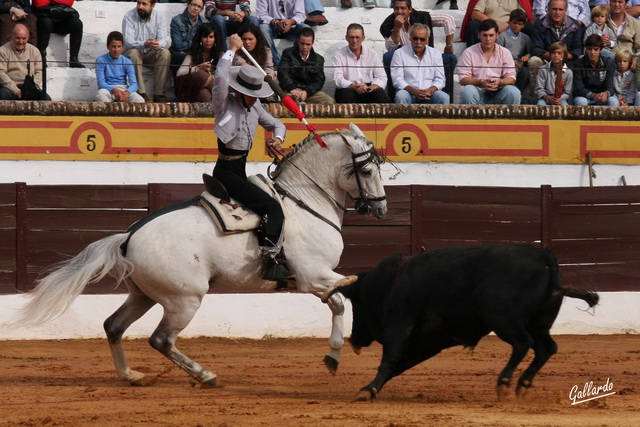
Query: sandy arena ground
{"points": [[277, 382]]}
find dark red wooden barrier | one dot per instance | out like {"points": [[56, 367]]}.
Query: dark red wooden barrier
{"points": [[594, 231]]}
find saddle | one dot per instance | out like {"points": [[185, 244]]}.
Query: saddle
{"points": [[229, 216]]}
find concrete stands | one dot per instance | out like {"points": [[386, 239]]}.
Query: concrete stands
{"points": [[101, 17]]}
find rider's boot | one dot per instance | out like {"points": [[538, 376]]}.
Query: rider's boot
{"points": [[275, 264]]}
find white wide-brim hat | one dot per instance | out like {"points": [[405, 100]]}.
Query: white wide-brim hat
{"points": [[248, 80]]}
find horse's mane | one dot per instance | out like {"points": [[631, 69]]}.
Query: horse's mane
{"points": [[303, 146]]}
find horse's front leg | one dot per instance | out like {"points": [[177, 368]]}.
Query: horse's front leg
{"points": [[336, 339]]}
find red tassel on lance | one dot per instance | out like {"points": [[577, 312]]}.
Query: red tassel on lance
{"points": [[292, 106]]}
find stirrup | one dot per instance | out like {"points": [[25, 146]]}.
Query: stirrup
{"points": [[276, 272]]}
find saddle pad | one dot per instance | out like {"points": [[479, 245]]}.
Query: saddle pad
{"points": [[229, 217], [265, 185]]}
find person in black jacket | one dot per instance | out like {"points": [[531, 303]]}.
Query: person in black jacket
{"points": [[593, 76], [301, 71], [395, 30]]}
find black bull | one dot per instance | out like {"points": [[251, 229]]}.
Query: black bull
{"points": [[418, 306]]}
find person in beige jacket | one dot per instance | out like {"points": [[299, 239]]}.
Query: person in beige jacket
{"points": [[13, 64], [627, 29]]}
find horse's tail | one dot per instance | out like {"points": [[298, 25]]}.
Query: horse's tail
{"points": [[55, 292]]}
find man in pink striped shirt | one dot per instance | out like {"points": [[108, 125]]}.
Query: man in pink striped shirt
{"points": [[487, 71]]}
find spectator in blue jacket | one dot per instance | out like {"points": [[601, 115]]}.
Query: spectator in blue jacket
{"points": [[593, 76], [183, 27], [115, 73]]}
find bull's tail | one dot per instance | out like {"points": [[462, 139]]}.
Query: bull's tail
{"points": [[55, 292], [590, 297], [559, 288]]}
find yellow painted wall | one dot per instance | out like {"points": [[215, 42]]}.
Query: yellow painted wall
{"points": [[406, 140]]}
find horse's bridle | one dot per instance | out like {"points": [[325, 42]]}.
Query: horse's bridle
{"points": [[361, 203]]}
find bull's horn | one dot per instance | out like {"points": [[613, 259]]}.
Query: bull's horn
{"points": [[340, 283]]}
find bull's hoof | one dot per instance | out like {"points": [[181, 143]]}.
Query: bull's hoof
{"points": [[366, 395], [523, 389], [331, 364], [357, 350], [503, 391]]}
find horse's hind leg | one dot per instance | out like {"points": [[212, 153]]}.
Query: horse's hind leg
{"points": [[133, 308], [175, 319]]}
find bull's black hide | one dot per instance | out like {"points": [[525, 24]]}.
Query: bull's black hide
{"points": [[418, 306]]}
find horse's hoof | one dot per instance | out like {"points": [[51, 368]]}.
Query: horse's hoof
{"points": [[331, 364], [135, 378], [213, 382]]}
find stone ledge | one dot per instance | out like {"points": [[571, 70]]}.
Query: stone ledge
{"points": [[314, 111]]}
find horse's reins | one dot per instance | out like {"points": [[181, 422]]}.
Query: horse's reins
{"points": [[274, 151]]}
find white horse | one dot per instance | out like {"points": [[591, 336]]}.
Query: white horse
{"points": [[174, 259]]}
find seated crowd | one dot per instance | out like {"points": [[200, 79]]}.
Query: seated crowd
{"points": [[571, 54]]}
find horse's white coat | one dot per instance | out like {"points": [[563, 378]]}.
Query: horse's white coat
{"points": [[177, 257]]}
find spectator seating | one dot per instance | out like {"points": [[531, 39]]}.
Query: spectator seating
{"points": [[101, 17]]}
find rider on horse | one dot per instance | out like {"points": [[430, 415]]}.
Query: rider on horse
{"points": [[238, 113]]}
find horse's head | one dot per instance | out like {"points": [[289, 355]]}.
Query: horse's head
{"points": [[362, 178]]}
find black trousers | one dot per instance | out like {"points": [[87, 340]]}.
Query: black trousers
{"points": [[7, 95], [72, 26], [349, 96], [232, 174]]}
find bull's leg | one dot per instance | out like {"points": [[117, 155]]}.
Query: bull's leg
{"points": [[394, 362], [544, 347], [133, 308], [521, 341], [336, 339], [177, 317]]}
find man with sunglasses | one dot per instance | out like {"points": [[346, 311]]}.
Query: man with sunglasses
{"points": [[417, 71], [395, 30], [487, 71]]}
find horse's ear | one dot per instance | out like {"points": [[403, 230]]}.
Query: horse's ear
{"points": [[356, 130]]}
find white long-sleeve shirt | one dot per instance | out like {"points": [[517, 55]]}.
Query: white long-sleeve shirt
{"points": [[422, 73], [136, 31], [366, 69]]}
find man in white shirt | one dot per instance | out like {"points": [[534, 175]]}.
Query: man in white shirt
{"points": [[358, 74], [147, 41], [395, 30], [417, 71]]}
